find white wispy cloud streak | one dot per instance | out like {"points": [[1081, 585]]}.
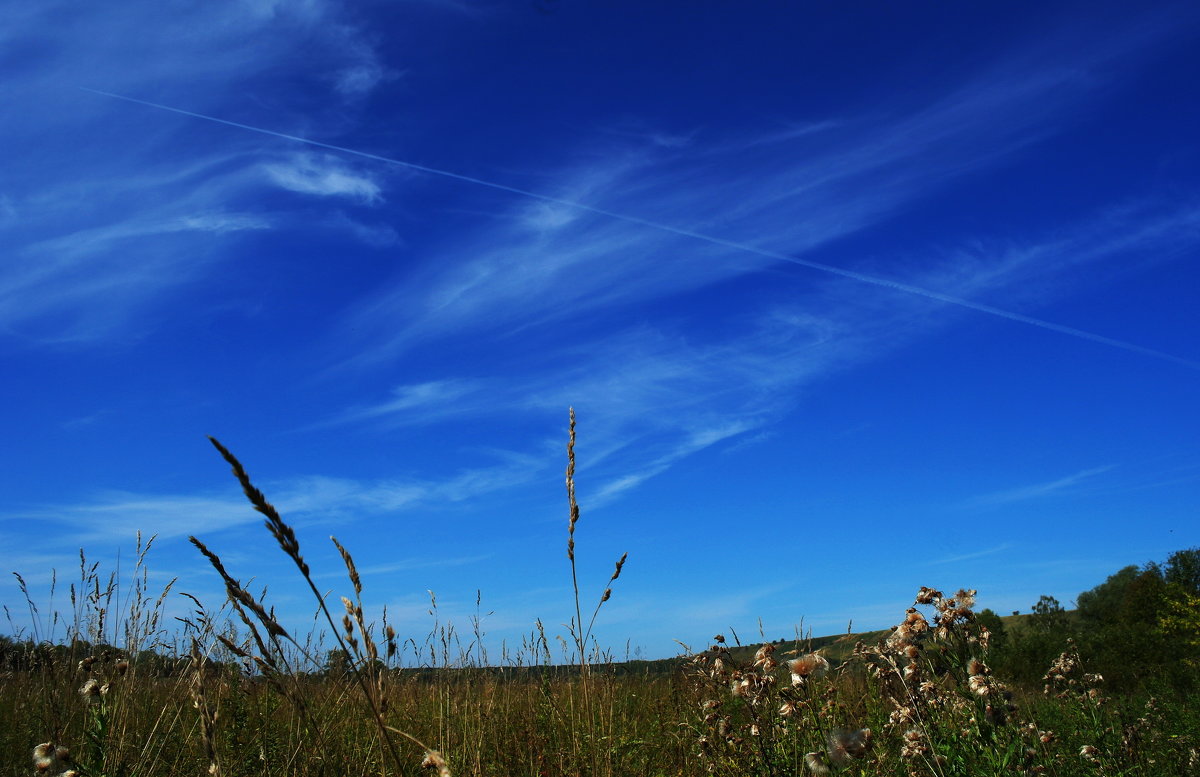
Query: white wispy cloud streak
{"points": [[903, 159], [108, 220], [1037, 490], [973, 555], [654, 223], [735, 605], [694, 442], [651, 397], [118, 515], [410, 403], [646, 397], [323, 176], [80, 285], [404, 565]]}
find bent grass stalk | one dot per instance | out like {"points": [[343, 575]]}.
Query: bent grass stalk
{"points": [[285, 535]]}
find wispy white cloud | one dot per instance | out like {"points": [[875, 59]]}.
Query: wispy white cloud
{"points": [[649, 396], [546, 217], [91, 240], [84, 421], [653, 225], [646, 391], [736, 605], [411, 403], [79, 285], [973, 554], [1031, 272], [119, 515], [110, 210], [645, 133], [1037, 490], [309, 10], [324, 176], [695, 441], [358, 80], [480, 276], [374, 234], [790, 131], [646, 397], [407, 564]]}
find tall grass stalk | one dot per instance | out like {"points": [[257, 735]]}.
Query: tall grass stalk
{"points": [[362, 648]]}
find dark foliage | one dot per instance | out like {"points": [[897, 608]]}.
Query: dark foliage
{"points": [[1136, 629]]}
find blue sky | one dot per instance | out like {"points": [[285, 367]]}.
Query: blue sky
{"points": [[847, 301]]}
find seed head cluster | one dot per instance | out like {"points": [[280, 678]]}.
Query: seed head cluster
{"points": [[811, 665], [436, 761], [53, 760]]}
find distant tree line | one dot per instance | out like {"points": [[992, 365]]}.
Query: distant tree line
{"points": [[1140, 629], [26, 655]]}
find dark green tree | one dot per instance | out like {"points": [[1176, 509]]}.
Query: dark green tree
{"points": [[1048, 616], [1033, 642], [1124, 637], [1102, 604], [989, 619], [1183, 570], [337, 663]]}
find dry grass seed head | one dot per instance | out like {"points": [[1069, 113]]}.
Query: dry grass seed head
{"points": [[351, 569], [240, 596], [283, 534], [572, 504]]}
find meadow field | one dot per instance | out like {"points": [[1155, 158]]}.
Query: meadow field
{"points": [[227, 690]]}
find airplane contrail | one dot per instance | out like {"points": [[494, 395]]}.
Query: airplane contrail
{"points": [[826, 268]]}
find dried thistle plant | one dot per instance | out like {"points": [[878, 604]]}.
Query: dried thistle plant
{"points": [[53, 760]]}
